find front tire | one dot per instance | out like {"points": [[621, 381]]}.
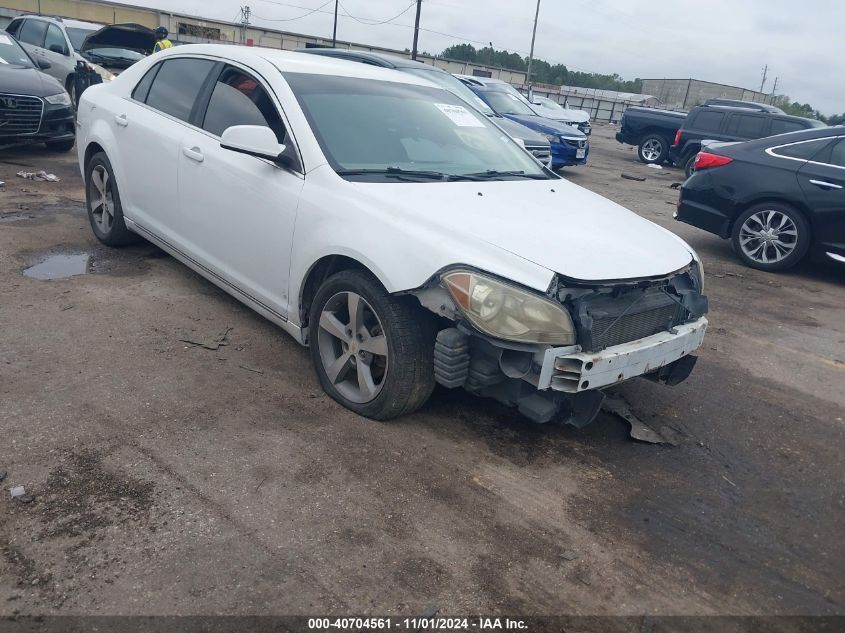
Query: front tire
{"points": [[105, 212], [653, 149], [373, 353], [771, 236]]}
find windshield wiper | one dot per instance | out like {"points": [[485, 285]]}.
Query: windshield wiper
{"points": [[398, 172], [491, 174]]}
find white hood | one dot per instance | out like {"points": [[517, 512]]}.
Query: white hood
{"points": [[571, 230], [566, 115]]}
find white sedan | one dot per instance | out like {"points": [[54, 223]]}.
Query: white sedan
{"points": [[402, 236]]}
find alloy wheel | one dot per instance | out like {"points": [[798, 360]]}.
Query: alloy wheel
{"points": [[651, 149], [768, 236], [102, 203], [353, 347]]}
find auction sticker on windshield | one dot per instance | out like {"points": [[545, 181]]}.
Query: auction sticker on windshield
{"points": [[459, 115]]}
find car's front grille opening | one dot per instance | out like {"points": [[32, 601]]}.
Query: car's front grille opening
{"points": [[19, 114], [540, 152], [610, 319]]}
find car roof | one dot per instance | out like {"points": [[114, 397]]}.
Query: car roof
{"points": [[295, 62], [381, 59], [74, 24], [794, 137], [747, 111]]}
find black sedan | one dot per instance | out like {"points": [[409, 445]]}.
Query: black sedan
{"points": [[34, 107], [777, 198]]}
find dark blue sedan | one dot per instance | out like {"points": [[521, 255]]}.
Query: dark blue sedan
{"points": [[569, 145]]}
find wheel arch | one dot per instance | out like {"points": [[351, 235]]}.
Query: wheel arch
{"points": [[773, 199], [653, 131], [92, 148], [321, 270]]}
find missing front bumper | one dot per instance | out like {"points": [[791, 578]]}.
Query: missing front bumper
{"points": [[569, 370]]}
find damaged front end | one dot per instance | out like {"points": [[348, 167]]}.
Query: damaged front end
{"points": [[606, 333]]}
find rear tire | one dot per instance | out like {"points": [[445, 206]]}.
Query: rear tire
{"points": [[653, 149], [378, 363], [105, 212], [689, 165], [771, 236]]}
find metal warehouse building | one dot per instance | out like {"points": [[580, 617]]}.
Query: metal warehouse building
{"points": [[684, 94], [185, 29]]}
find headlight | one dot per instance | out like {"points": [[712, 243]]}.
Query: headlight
{"points": [[552, 138], [62, 98], [506, 312], [697, 272]]}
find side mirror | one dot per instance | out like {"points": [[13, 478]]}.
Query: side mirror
{"points": [[253, 140], [43, 64], [58, 48]]}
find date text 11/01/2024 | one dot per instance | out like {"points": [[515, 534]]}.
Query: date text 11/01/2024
{"points": [[416, 624]]}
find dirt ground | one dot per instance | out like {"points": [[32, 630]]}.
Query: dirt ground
{"points": [[169, 478]]}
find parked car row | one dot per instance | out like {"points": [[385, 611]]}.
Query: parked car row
{"points": [[391, 226], [772, 183]]}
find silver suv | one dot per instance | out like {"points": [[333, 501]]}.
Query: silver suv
{"points": [[58, 42]]}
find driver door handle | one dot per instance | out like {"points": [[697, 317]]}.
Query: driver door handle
{"points": [[193, 153], [121, 120], [825, 185]]}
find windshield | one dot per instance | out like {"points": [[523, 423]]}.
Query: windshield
{"points": [[453, 85], [506, 103], [549, 103], [384, 131], [77, 36], [12, 53]]}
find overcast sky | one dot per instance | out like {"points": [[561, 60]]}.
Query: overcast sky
{"points": [[725, 41]]}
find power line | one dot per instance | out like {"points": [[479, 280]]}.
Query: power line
{"points": [[368, 22], [299, 17]]}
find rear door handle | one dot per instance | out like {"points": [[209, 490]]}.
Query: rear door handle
{"points": [[193, 153], [121, 120], [825, 185]]}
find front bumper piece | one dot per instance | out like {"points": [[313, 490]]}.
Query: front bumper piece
{"points": [[569, 370]]}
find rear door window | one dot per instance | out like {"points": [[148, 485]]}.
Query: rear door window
{"points": [[802, 151], [746, 126], [708, 121], [33, 31], [837, 155], [177, 85], [782, 126], [55, 40]]}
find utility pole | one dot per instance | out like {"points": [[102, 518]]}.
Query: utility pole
{"points": [[765, 74], [245, 13], [533, 37], [775, 87], [334, 31], [416, 30]]}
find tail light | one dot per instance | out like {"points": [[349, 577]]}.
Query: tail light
{"points": [[677, 137], [705, 160]]}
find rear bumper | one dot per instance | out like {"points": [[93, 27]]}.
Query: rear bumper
{"points": [[567, 370], [701, 206]]}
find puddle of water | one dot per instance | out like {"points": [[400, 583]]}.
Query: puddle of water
{"points": [[59, 267]]}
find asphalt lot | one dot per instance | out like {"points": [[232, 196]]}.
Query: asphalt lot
{"points": [[169, 478]]}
